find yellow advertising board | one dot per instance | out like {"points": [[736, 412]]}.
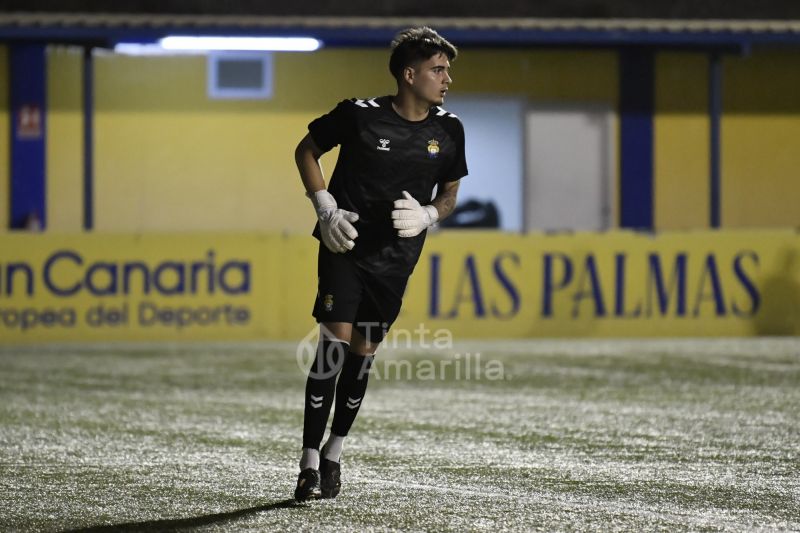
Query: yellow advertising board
{"points": [[471, 284], [617, 284], [139, 287]]}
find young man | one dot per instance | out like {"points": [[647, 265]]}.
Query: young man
{"points": [[372, 222]]}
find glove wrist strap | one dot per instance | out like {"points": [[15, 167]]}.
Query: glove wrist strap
{"points": [[433, 213], [322, 200]]}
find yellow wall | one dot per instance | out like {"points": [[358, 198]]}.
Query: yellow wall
{"points": [[169, 158], [681, 141], [556, 76], [760, 147], [64, 195], [4, 141]]}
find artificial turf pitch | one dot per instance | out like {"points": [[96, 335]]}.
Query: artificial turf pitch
{"points": [[577, 435]]}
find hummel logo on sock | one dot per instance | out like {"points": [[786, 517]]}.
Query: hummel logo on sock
{"points": [[316, 401], [353, 403]]}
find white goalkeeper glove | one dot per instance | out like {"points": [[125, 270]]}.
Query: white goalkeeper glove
{"points": [[411, 218], [335, 225]]}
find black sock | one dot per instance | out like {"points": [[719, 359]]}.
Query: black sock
{"points": [[320, 387], [350, 391]]}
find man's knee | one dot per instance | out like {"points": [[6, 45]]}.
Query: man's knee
{"points": [[360, 345], [341, 331]]}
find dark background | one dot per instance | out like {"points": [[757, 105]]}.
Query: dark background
{"points": [[677, 9]]}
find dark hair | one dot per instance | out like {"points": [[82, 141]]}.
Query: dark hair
{"points": [[414, 45]]}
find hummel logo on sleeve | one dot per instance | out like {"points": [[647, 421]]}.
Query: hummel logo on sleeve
{"points": [[366, 103], [384, 145]]}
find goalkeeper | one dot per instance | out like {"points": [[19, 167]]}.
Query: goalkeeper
{"points": [[372, 221]]}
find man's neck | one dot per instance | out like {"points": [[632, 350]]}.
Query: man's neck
{"points": [[410, 108]]}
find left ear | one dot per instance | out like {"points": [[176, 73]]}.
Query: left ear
{"points": [[408, 75]]}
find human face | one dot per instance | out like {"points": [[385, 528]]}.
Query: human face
{"points": [[431, 79]]}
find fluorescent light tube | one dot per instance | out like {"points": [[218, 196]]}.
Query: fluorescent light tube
{"points": [[269, 44]]}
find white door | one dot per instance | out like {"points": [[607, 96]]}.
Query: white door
{"points": [[569, 167], [494, 132]]}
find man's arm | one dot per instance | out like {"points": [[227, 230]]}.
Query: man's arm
{"points": [[306, 156], [445, 200], [336, 225]]}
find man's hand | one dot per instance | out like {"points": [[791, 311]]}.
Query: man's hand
{"points": [[335, 225], [410, 218]]}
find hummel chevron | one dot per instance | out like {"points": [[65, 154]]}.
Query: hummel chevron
{"points": [[371, 102], [316, 401]]}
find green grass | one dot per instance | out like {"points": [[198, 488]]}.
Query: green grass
{"points": [[589, 435]]}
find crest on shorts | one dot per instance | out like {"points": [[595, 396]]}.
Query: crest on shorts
{"points": [[327, 302], [433, 148]]}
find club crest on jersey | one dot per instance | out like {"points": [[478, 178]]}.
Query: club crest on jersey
{"points": [[433, 148], [384, 145], [327, 302]]}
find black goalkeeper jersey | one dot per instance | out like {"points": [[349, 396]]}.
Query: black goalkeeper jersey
{"points": [[381, 155]]}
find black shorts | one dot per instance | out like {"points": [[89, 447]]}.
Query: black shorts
{"points": [[350, 294]]}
